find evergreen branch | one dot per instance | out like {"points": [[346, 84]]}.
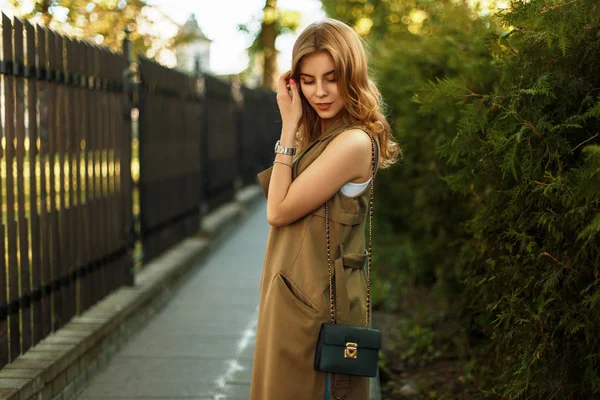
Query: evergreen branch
{"points": [[484, 157], [549, 63], [585, 141], [559, 388], [528, 123], [546, 9], [561, 264], [471, 94]]}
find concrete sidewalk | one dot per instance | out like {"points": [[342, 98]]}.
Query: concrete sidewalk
{"points": [[200, 345]]}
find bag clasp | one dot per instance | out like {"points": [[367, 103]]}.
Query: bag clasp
{"points": [[351, 350]]}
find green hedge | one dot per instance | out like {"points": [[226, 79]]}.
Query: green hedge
{"points": [[496, 203], [528, 164]]}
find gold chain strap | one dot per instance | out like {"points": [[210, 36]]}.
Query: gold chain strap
{"points": [[332, 308]]}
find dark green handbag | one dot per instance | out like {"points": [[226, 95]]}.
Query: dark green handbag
{"points": [[349, 349]]}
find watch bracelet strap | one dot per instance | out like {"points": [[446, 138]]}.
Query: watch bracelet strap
{"points": [[288, 151], [369, 255]]}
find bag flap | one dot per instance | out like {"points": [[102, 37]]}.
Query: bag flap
{"points": [[339, 335]]}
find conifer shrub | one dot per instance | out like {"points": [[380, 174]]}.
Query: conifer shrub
{"points": [[419, 219], [496, 201], [527, 160]]}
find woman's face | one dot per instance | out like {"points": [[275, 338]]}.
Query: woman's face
{"points": [[319, 86]]}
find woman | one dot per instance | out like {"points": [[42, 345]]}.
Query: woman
{"points": [[330, 110]]}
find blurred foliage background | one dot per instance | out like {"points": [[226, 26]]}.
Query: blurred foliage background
{"points": [[104, 22], [492, 217]]}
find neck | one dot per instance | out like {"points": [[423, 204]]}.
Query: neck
{"points": [[326, 123]]}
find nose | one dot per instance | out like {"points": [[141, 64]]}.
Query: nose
{"points": [[321, 92]]}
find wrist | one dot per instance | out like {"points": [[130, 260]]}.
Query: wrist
{"points": [[288, 137], [288, 141], [289, 130]]}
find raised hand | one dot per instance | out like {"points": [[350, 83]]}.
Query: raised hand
{"points": [[289, 102]]}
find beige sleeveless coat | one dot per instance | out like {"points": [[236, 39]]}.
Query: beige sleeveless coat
{"points": [[294, 293]]}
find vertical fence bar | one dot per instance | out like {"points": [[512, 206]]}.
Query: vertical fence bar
{"points": [[4, 295], [117, 245], [53, 125], [108, 132], [97, 276], [85, 282], [101, 134], [91, 175], [62, 213], [76, 151], [71, 109], [129, 100], [113, 213], [44, 163], [91, 187], [34, 219], [110, 262], [61, 127], [9, 129], [24, 266], [80, 148]]}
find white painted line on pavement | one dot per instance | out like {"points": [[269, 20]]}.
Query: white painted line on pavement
{"points": [[233, 365]]}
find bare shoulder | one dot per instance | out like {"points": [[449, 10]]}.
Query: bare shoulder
{"points": [[351, 150], [354, 141]]}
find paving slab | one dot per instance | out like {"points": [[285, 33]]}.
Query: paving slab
{"points": [[200, 344]]}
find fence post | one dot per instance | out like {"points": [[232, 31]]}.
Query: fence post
{"points": [[203, 131], [131, 102], [238, 99]]}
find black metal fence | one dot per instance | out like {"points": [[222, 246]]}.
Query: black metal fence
{"points": [[200, 139], [66, 230], [170, 118]]}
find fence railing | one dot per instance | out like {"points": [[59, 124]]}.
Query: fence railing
{"points": [[66, 182], [169, 153]]}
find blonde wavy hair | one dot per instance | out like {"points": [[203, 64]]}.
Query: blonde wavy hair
{"points": [[363, 102]]}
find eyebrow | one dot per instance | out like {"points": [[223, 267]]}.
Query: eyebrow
{"points": [[310, 76]]}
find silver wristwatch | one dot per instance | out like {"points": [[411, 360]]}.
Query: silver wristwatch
{"points": [[288, 151]]}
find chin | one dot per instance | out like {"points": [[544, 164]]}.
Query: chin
{"points": [[327, 114]]}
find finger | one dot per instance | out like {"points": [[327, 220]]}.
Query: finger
{"points": [[294, 88], [281, 85]]}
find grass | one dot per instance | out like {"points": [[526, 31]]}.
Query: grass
{"points": [[427, 354]]}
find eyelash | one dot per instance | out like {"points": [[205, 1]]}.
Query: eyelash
{"points": [[310, 83]]}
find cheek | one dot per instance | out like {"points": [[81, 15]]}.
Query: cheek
{"points": [[335, 91], [306, 91]]}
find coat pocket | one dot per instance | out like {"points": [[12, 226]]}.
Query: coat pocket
{"points": [[292, 292]]}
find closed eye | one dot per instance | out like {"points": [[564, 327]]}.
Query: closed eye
{"points": [[311, 82]]}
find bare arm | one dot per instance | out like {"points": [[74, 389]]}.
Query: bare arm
{"points": [[346, 158]]}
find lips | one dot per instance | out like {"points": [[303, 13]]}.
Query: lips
{"points": [[323, 106]]}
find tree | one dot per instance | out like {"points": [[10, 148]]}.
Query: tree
{"points": [[274, 23], [104, 22]]}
